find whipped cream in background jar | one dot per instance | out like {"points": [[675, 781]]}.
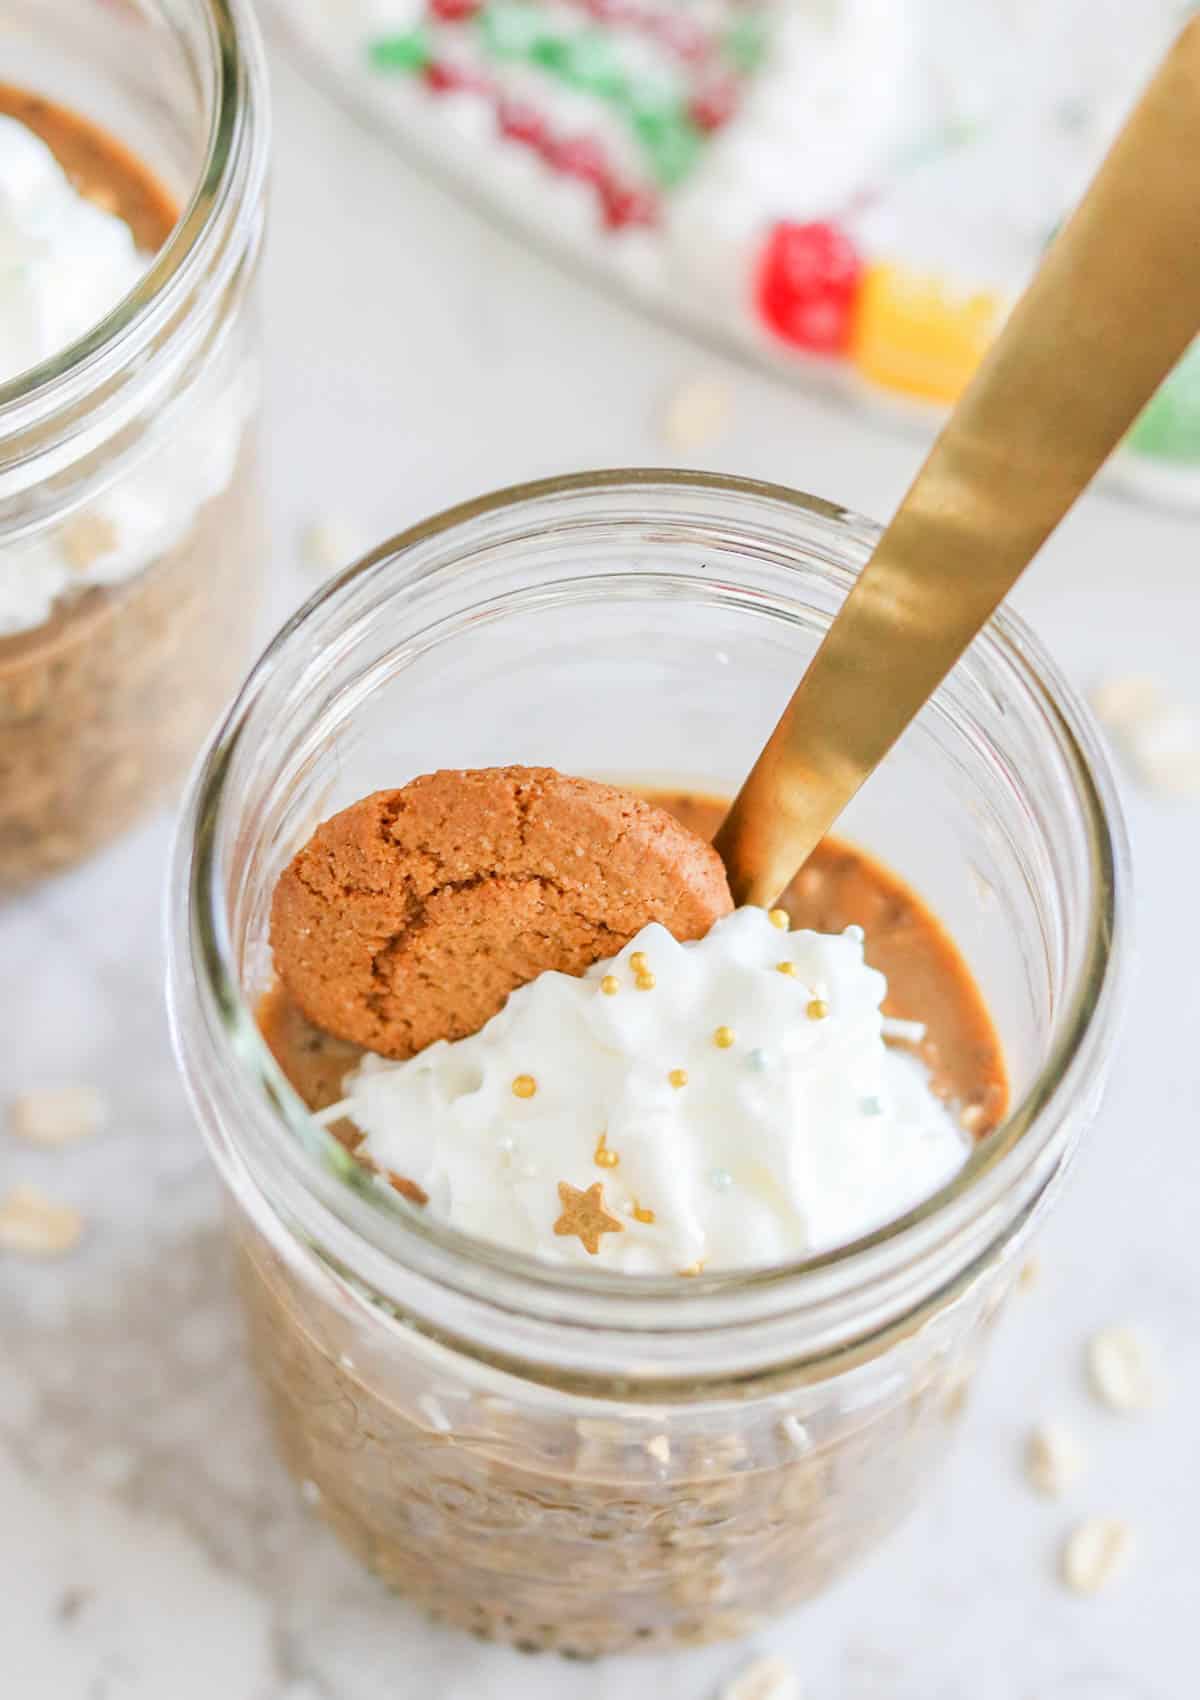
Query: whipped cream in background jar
{"points": [[550, 1453], [130, 529]]}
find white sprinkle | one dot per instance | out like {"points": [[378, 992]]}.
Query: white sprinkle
{"points": [[1096, 1554], [434, 1414], [35, 1225], [1120, 1370], [757, 1060], [871, 1106], [328, 544], [695, 413], [507, 1143], [721, 1179], [659, 1448], [855, 932], [911, 1032], [797, 1436], [1053, 1459], [310, 1493], [765, 1679], [57, 1115]]}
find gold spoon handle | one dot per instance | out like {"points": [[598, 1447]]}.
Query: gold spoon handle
{"points": [[1113, 306]]}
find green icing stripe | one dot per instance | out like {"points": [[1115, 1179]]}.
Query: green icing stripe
{"points": [[655, 109], [407, 52]]}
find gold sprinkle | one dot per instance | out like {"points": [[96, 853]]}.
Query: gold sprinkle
{"points": [[584, 1215], [610, 985], [640, 1215], [602, 1156], [646, 982], [694, 1268], [817, 1009], [723, 1038], [524, 1086], [678, 1077], [788, 968], [779, 918], [639, 963]]}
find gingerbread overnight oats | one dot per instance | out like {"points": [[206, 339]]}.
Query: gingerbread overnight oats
{"points": [[130, 536], [616, 1262]]}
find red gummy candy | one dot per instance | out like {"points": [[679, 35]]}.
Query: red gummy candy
{"points": [[808, 283], [454, 11]]}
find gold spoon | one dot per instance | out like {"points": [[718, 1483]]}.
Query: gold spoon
{"points": [[1112, 308]]}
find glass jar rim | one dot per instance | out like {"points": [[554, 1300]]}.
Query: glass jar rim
{"points": [[231, 176], [372, 1236]]}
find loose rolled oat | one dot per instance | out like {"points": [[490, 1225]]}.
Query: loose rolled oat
{"points": [[1096, 1554], [35, 1226], [1120, 1370], [57, 1115], [1053, 1459], [765, 1679], [327, 544], [695, 413]]}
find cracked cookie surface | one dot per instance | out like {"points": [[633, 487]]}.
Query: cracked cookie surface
{"points": [[411, 915]]}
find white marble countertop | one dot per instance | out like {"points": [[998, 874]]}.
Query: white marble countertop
{"points": [[150, 1548]]}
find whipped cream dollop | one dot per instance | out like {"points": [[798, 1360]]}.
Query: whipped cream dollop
{"points": [[710, 1105], [65, 263]]}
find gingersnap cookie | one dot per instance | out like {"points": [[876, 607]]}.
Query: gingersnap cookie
{"points": [[411, 915]]}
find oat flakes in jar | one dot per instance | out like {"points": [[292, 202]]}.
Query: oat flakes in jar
{"points": [[133, 139]]}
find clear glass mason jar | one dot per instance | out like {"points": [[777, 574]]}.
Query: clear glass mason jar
{"points": [[567, 1458], [130, 531]]}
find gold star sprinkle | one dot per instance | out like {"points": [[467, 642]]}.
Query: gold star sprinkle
{"points": [[723, 1038], [788, 968], [640, 1215], [646, 982], [602, 1156], [817, 1009], [639, 963], [584, 1215], [524, 1086], [610, 985], [779, 918], [678, 1077]]}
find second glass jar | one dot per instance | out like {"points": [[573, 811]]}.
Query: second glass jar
{"points": [[131, 543]]}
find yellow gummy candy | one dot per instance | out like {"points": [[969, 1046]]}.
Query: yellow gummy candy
{"points": [[918, 335]]}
